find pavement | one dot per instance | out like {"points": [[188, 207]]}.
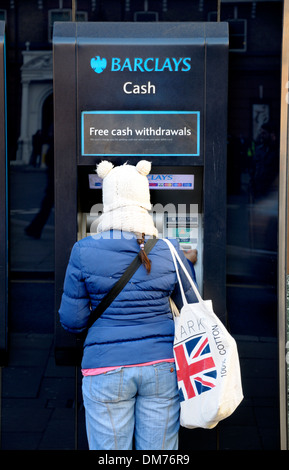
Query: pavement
{"points": [[41, 405]]}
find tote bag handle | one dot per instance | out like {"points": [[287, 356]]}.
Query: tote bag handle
{"points": [[175, 256]]}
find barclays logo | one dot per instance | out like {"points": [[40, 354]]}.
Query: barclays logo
{"points": [[160, 177], [138, 64], [97, 64]]}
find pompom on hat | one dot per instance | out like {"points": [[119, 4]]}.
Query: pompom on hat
{"points": [[104, 168], [126, 197]]}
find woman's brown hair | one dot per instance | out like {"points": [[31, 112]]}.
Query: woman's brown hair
{"points": [[142, 254]]}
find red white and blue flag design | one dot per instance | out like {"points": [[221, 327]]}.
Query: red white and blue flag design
{"points": [[196, 370]]}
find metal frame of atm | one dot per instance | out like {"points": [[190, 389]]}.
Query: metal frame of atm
{"points": [[213, 37], [3, 206]]}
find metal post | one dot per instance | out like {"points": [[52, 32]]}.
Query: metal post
{"points": [[73, 8], [219, 11], [283, 250]]}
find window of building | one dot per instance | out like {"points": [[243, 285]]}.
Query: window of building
{"points": [[3, 15], [63, 14]]}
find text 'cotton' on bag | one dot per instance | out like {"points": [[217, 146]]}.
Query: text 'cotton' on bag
{"points": [[207, 361]]}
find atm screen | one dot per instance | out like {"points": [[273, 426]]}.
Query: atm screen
{"points": [[183, 228]]}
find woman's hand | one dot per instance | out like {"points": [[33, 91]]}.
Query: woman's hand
{"points": [[192, 255]]}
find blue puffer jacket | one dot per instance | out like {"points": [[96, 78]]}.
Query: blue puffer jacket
{"points": [[138, 326]]}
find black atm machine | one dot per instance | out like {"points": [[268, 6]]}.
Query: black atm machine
{"points": [[132, 91], [3, 206]]}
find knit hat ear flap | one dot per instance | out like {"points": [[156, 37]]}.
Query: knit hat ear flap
{"points": [[103, 168], [143, 167]]}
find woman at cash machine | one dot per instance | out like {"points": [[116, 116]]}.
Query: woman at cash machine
{"points": [[129, 380]]}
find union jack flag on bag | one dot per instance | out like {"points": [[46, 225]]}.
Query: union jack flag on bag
{"points": [[196, 369], [207, 362]]}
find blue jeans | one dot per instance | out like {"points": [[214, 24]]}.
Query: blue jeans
{"points": [[139, 402]]}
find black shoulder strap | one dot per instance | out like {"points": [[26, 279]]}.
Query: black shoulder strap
{"points": [[119, 285]]}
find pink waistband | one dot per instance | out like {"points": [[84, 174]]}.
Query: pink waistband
{"points": [[103, 370]]}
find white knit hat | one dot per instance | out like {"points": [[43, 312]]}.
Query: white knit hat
{"points": [[126, 198]]}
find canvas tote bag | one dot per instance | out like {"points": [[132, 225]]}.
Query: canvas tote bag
{"points": [[207, 361]]}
